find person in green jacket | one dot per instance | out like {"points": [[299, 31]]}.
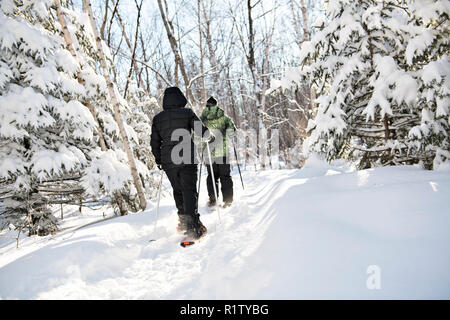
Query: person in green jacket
{"points": [[215, 120]]}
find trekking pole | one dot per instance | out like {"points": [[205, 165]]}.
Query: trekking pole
{"points": [[237, 162], [159, 198], [199, 178], [214, 180]]}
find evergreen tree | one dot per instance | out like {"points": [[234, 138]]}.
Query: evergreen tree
{"points": [[108, 175], [370, 90], [46, 133], [59, 140], [427, 54]]}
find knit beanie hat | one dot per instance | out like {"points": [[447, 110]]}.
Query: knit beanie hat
{"points": [[211, 102]]}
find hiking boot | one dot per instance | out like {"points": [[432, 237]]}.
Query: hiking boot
{"points": [[200, 226], [194, 227], [227, 204], [211, 202], [183, 221], [181, 228]]}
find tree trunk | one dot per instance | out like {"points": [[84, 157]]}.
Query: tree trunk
{"points": [[133, 48], [117, 116], [306, 35], [103, 147], [105, 18], [211, 52], [133, 64], [296, 24], [202, 68], [69, 44], [179, 63], [251, 41]]}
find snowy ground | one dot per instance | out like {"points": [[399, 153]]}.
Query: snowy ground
{"points": [[293, 234]]}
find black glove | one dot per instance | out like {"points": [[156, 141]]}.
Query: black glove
{"points": [[211, 140], [209, 137]]}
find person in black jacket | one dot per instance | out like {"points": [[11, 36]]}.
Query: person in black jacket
{"points": [[174, 152]]}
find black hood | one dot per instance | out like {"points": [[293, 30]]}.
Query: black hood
{"points": [[173, 98]]}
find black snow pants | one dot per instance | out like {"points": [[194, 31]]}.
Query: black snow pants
{"points": [[184, 184], [221, 172]]}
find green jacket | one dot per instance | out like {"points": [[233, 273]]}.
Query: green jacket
{"points": [[215, 119]]}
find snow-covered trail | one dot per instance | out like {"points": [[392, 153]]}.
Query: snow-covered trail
{"points": [[293, 234], [115, 259]]}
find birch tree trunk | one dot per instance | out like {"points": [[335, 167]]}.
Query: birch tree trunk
{"points": [[133, 64], [117, 116], [69, 44], [296, 24], [306, 37], [260, 97], [202, 68], [179, 63], [211, 53]]}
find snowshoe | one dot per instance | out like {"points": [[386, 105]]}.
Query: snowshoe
{"points": [[195, 230]]}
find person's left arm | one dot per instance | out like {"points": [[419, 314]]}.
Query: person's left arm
{"points": [[230, 127]]}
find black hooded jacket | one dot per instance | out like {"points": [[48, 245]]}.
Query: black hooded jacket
{"points": [[174, 116]]}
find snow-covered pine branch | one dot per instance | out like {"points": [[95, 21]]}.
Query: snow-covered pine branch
{"points": [[45, 131], [58, 136], [381, 75]]}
